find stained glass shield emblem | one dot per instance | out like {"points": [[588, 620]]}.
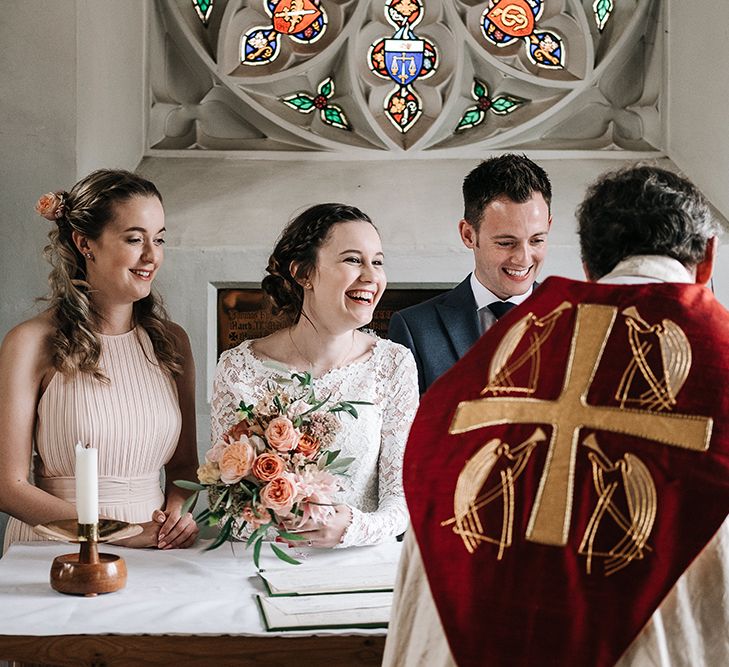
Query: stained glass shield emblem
{"points": [[514, 18], [404, 59], [294, 16]]}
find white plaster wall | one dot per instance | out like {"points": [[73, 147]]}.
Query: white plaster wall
{"points": [[71, 100], [110, 65], [697, 78]]}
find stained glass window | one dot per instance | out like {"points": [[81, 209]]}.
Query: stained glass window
{"points": [[505, 22], [411, 75], [302, 21], [203, 8], [404, 58], [331, 114]]}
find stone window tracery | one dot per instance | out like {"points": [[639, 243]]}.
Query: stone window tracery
{"points": [[405, 76]]}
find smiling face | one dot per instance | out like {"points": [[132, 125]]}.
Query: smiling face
{"points": [[510, 245], [128, 253], [349, 278]]}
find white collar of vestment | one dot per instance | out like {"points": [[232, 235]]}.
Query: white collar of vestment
{"points": [[648, 269], [485, 296]]}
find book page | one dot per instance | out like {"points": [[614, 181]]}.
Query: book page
{"points": [[348, 610], [343, 579]]}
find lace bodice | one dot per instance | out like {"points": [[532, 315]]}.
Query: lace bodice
{"points": [[388, 379]]}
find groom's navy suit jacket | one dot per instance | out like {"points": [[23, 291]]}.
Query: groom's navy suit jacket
{"points": [[438, 331]]}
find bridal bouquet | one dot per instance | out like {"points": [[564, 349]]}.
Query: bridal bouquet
{"points": [[274, 470]]}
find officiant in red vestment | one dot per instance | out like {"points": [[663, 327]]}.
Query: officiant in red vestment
{"points": [[568, 479]]}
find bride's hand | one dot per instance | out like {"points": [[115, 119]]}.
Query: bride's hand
{"points": [[329, 535]]}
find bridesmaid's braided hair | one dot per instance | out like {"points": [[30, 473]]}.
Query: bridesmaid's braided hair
{"points": [[297, 249], [87, 209]]}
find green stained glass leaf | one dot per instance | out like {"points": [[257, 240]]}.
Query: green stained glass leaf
{"points": [[472, 117], [479, 89], [334, 116], [326, 88], [602, 9], [506, 104], [300, 101]]}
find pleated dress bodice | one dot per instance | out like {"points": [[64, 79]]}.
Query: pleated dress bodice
{"points": [[133, 420]]}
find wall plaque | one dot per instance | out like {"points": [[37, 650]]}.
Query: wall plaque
{"points": [[245, 313]]}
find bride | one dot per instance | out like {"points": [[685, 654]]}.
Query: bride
{"points": [[326, 274]]}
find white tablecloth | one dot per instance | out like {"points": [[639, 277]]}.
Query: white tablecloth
{"points": [[181, 591]]}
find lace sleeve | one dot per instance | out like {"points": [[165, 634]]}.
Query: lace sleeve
{"points": [[224, 401], [399, 391]]}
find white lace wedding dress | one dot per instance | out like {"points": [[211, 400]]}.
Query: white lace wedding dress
{"points": [[388, 379]]}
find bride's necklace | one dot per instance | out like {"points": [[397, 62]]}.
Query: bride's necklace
{"points": [[340, 362]]}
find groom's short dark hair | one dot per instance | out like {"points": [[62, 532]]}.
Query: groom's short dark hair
{"points": [[511, 175]]}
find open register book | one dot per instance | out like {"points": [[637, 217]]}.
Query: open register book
{"points": [[359, 578], [347, 588], [317, 612]]}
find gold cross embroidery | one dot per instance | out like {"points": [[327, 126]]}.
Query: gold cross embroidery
{"points": [[549, 522]]}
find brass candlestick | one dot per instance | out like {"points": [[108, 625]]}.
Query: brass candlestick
{"points": [[88, 572]]}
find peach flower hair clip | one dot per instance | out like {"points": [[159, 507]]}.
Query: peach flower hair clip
{"points": [[51, 206]]}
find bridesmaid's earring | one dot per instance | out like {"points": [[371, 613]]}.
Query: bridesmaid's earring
{"points": [[89, 255]]}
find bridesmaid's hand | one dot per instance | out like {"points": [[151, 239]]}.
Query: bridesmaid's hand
{"points": [[148, 538], [176, 532], [329, 535]]}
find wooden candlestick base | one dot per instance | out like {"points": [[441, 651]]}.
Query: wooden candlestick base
{"points": [[71, 576], [88, 572]]}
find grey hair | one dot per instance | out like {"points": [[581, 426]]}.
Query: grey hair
{"points": [[643, 210]]}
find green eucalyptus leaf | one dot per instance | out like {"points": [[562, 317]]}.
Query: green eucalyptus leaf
{"points": [[258, 533], [284, 556], [189, 503], [257, 552], [190, 486], [293, 537], [316, 406], [341, 464], [223, 535], [223, 494]]}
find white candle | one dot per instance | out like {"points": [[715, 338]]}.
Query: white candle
{"points": [[87, 484]]}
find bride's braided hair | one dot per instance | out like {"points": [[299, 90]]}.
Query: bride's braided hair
{"points": [[297, 249], [87, 209]]}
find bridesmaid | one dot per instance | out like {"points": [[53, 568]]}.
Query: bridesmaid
{"points": [[102, 365]]}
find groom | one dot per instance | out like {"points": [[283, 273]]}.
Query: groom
{"points": [[505, 223]]}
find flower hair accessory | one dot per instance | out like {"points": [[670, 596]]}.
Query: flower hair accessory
{"points": [[51, 206]]}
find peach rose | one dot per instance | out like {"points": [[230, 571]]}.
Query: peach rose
{"points": [[256, 518], [208, 473], [236, 461], [238, 430], [308, 446], [268, 466], [278, 495], [50, 206], [282, 435], [216, 451]]}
